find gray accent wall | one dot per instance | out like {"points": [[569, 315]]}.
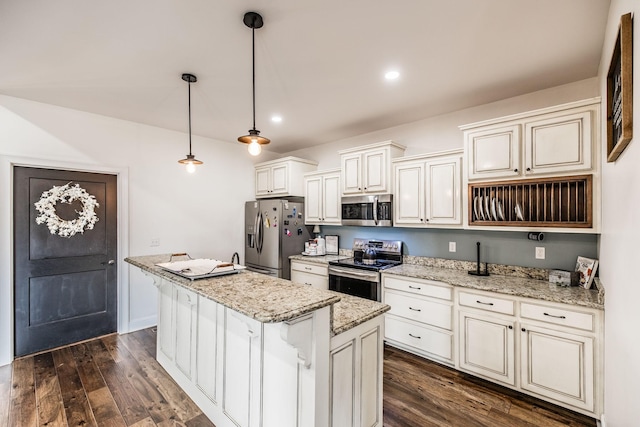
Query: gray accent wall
{"points": [[496, 247]]}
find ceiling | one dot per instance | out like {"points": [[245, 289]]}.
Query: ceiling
{"points": [[319, 64]]}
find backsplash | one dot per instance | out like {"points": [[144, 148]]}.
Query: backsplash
{"points": [[499, 269], [506, 248]]}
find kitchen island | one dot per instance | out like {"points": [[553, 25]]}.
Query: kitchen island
{"points": [[253, 350]]}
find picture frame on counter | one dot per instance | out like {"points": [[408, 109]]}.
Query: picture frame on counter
{"points": [[331, 244], [620, 91]]}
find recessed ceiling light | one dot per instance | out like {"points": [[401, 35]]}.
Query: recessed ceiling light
{"points": [[392, 75], [276, 119]]}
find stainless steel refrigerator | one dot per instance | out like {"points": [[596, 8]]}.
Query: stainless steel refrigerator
{"points": [[274, 230]]}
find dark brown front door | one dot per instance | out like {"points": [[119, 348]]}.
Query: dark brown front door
{"points": [[65, 270]]}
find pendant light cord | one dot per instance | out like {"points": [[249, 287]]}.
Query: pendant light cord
{"points": [[189, 117], [253, 53]]}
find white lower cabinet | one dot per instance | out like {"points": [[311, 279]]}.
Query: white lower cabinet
{"points": [[421, 317], [487, 346], [355, 375], [549, 350], [307, 273]]}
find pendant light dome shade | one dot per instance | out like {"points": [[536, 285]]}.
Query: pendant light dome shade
{"points": [[253, 20], [190, 161]]}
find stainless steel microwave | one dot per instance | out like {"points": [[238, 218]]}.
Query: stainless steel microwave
{"points": [[374, 210]]}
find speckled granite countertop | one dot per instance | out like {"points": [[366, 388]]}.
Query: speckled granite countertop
{"points": [[269, 299], [509, 285], [322, 259]]}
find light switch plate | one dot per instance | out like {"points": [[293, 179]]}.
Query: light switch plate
{"points": [[540, 252], [452, 246]]}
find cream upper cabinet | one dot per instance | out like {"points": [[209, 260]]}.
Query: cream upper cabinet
{"points": [[553, 141], [427, 190], [322, 197], [283, 177], [367, 169], [494, 152]]}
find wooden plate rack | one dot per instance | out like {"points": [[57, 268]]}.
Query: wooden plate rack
{"points": [[546, 202]]}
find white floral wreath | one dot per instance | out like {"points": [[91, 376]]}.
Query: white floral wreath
{"points": [[67, 194]]}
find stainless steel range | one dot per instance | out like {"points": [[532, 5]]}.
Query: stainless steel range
{"points": [[360, 275]]}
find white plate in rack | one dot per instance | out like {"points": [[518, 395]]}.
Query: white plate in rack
{"points": [[499, 210], [493, 209], [487, 208], [518, 210], [477, 208]]}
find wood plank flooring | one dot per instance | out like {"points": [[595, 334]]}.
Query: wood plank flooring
{"points": [[116, 381]]}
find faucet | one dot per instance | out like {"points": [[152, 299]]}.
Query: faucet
{"points": [[236, 257]]}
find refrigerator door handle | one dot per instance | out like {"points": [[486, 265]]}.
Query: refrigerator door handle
{"points": [[260, 232], [256, 231]]}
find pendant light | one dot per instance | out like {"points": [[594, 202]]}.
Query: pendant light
{"points": [[190, 161], [253, 20]]}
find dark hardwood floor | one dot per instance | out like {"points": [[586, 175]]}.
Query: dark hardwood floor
{"points": [[116, 381]]}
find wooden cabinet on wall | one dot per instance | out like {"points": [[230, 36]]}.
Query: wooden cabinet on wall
{"points": [[427, 190], [322, 197], [282, 177], [367, 169], [554, 141]]}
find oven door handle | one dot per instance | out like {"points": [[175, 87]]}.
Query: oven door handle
{"points": [[371, 277]]}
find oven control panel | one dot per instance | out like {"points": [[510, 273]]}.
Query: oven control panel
{"points": [[392, 246]]}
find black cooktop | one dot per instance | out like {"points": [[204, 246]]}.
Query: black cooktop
{"points": [[377, 266]]}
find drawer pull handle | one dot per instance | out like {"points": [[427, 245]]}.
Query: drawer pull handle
{"points": [[415, 336], [557, 317], [484, 303], [414, 287], [308, 268], [414, 309]]}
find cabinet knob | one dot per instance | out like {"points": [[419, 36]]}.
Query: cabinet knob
{"points": [[365, 188], [510, 327], [421, 220], [427, 219], [528, 169], [524, 330], [515, 170]]}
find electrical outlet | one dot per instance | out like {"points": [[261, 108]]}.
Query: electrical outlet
{"points": [[452, 246], [155, 242], [539, 252]]}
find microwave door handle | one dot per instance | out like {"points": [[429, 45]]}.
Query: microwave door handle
{"points": [[375, 210]]}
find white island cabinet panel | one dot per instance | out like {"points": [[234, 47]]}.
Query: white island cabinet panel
{"points": [[342, 385], [166, 338], [241, 372], [207, 348], [186, 302]]}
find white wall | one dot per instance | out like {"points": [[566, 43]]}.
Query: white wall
{"points": [[619, 247], [441, 132], [200, 214]]}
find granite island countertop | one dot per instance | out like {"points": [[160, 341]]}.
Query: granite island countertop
{"points": [[508, 285], [269, 299]]}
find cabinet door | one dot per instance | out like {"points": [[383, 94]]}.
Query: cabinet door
{"points": [[207, 347], [342, 388], [263, 184], [375, 171], [185, 327], [409, 194], [331, 207], [313, 200], [280, 179], [558, 365], [487, 346], [558, 144], [313, 280], [166, 331], [351, 173], [443, 192], [494, 153]]}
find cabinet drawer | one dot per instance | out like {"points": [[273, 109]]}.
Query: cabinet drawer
{"points": [[310, 268], [435, 342], [489, 303], [558, 316], [419, 309], [421, 287]]}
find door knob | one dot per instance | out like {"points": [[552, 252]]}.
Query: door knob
{"points": [[110, 262]]}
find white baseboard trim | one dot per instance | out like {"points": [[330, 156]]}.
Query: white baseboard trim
{"points": [[143, 323], [601, 422]]}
